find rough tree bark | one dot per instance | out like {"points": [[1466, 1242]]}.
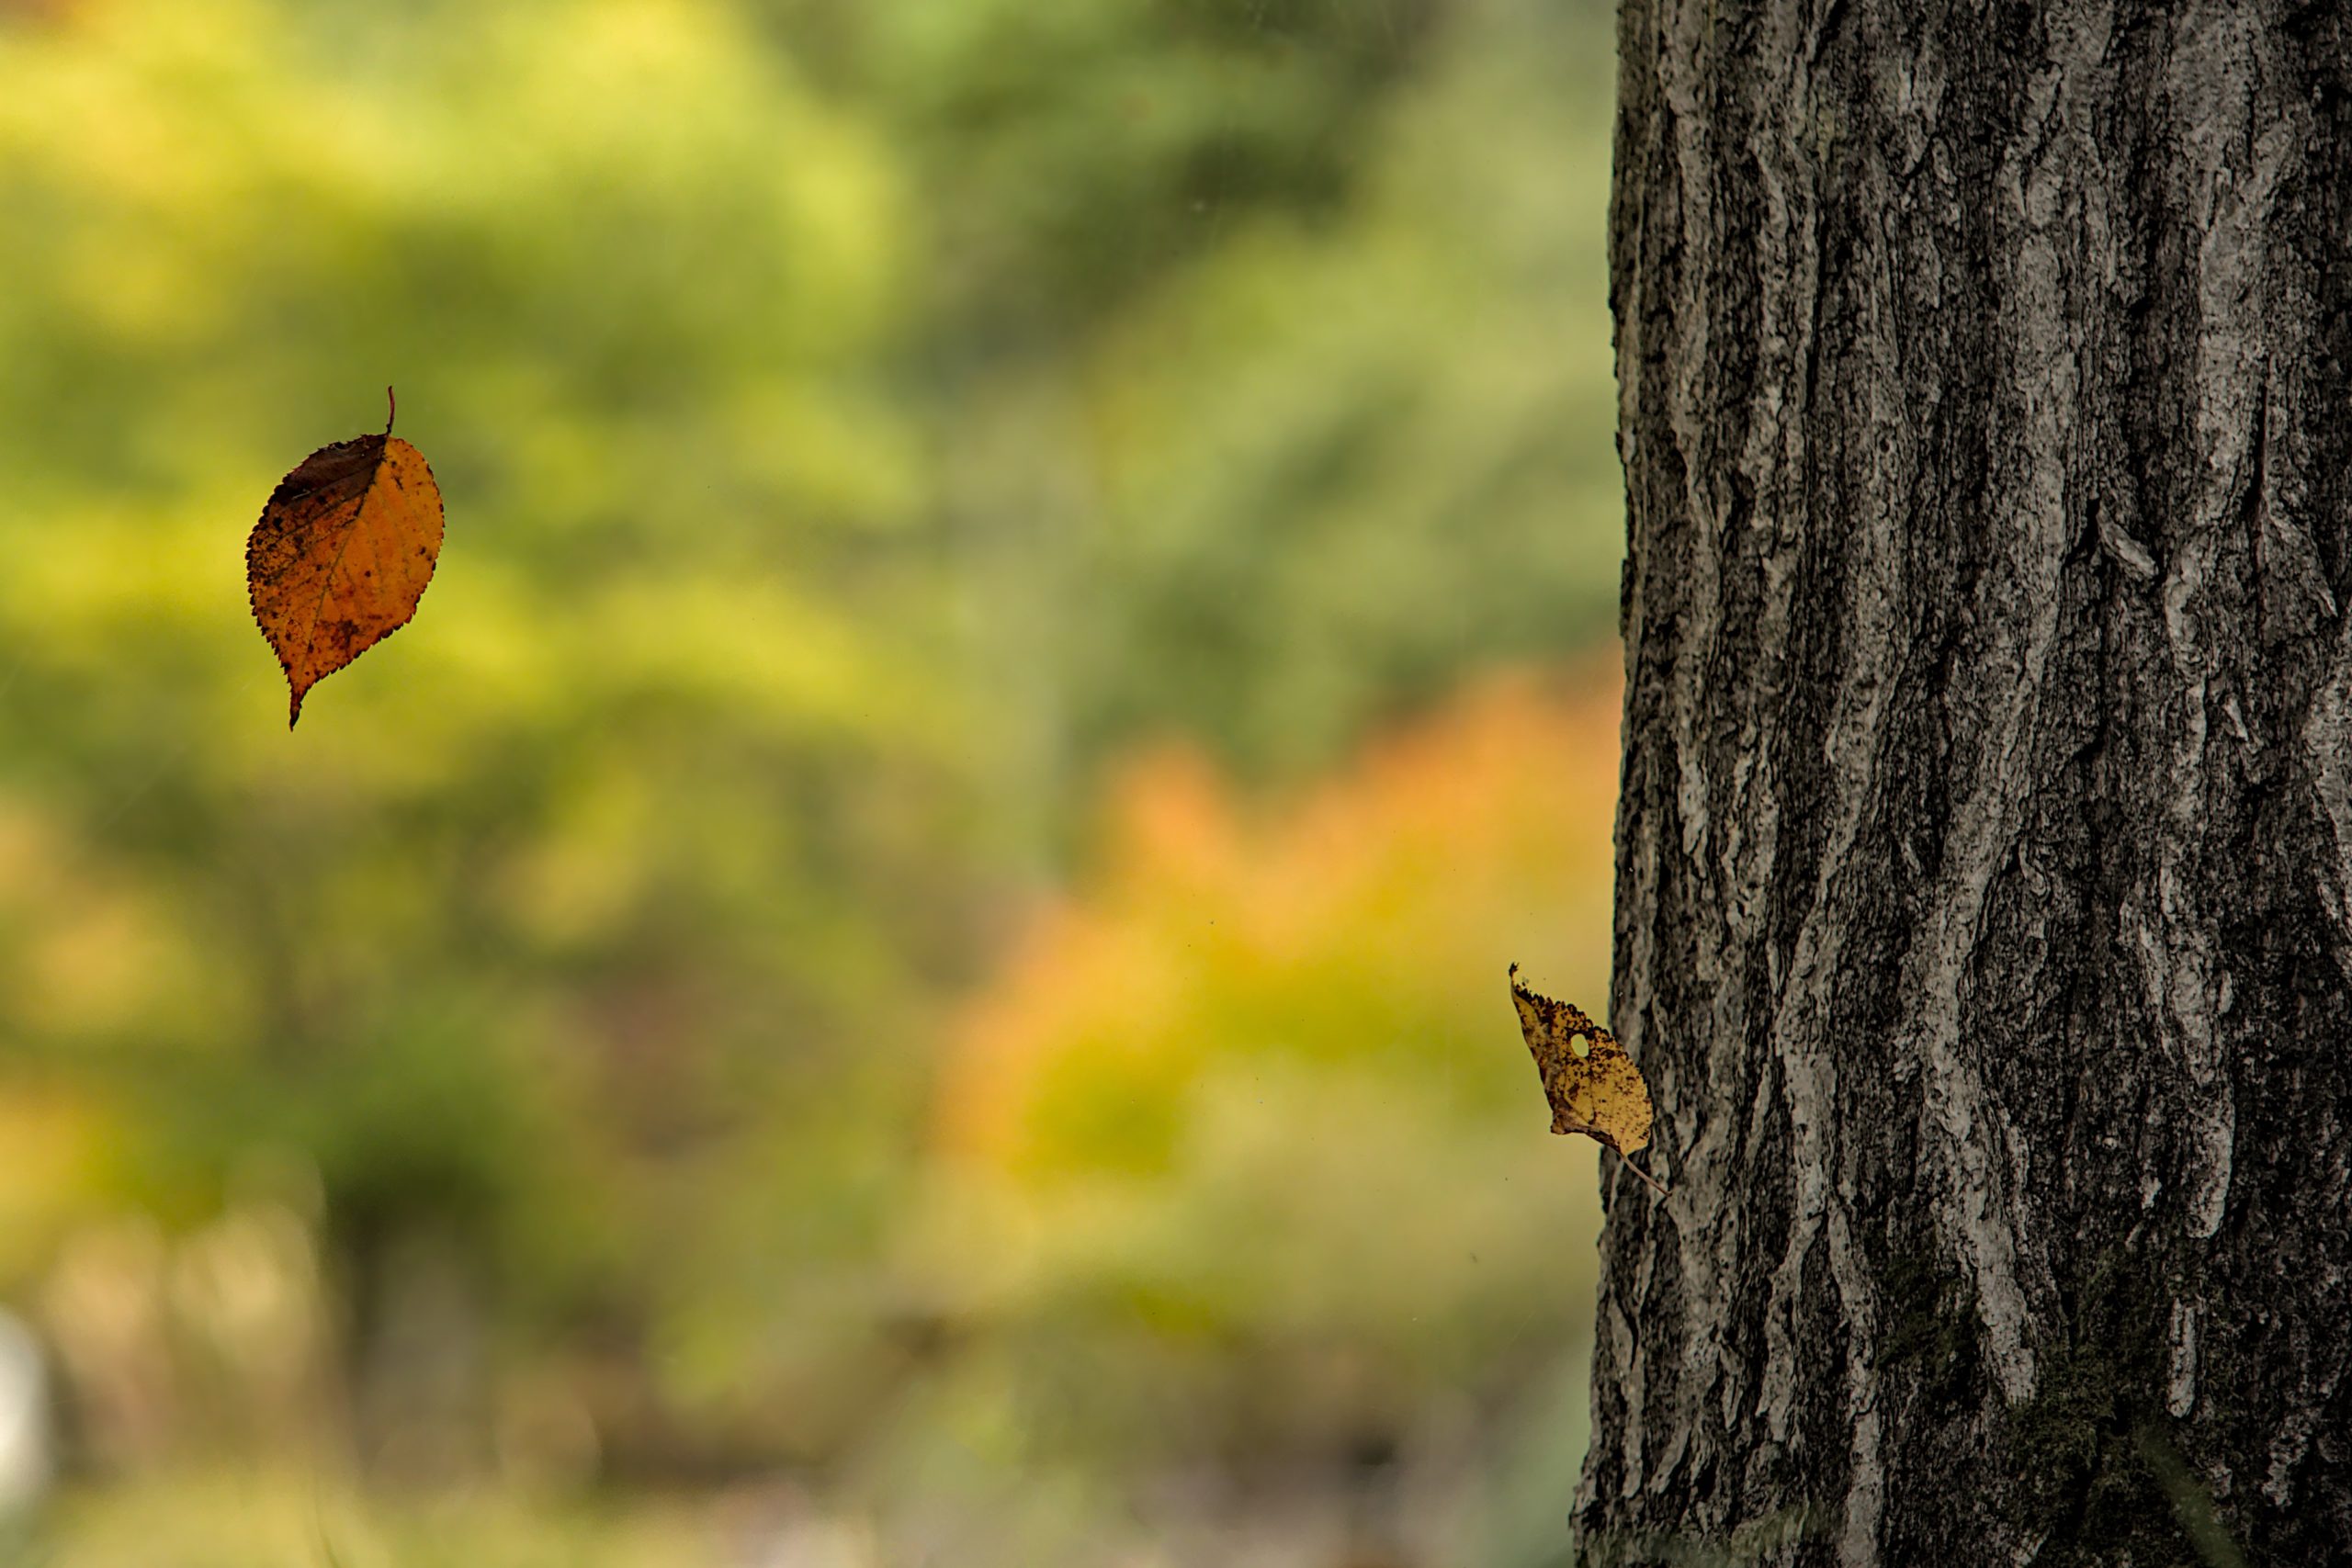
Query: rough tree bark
{"points": [[1985, 855]]}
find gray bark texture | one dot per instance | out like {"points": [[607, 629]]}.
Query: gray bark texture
{"points": [[1985, 855]]}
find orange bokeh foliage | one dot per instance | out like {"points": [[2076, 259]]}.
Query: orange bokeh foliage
{"points": [[1363, 926]]}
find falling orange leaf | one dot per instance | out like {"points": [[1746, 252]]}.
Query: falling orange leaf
{"points": [[342, 555], [1594, 1087]]}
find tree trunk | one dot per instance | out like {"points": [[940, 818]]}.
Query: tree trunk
{"points": [[1985, 855]]}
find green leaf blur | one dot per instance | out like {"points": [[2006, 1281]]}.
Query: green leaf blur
{"points": [[870, 433]]}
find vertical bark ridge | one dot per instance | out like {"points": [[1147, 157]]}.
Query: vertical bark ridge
{"points": [[1986, 837]]}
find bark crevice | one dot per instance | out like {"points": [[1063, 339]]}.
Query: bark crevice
{"points": [[1985, 879]]}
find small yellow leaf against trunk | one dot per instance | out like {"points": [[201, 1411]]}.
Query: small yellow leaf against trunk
{"points": [[1590, 1080]]}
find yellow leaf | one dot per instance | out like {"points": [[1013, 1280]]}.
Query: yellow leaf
{"points": [[1590, 1080]]}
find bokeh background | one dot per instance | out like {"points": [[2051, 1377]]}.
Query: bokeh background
{"points": [[905, 965]]}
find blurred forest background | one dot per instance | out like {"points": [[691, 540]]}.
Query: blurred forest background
{"points": [[905, 966]]}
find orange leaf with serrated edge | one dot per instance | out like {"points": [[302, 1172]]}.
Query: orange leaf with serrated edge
{"points": [[1594, 1088], [342, 555]]}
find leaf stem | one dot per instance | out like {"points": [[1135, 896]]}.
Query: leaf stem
{"points": [[1644, 1175]]}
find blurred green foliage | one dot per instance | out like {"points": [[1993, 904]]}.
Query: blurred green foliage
{"points": [[863, 426]]}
